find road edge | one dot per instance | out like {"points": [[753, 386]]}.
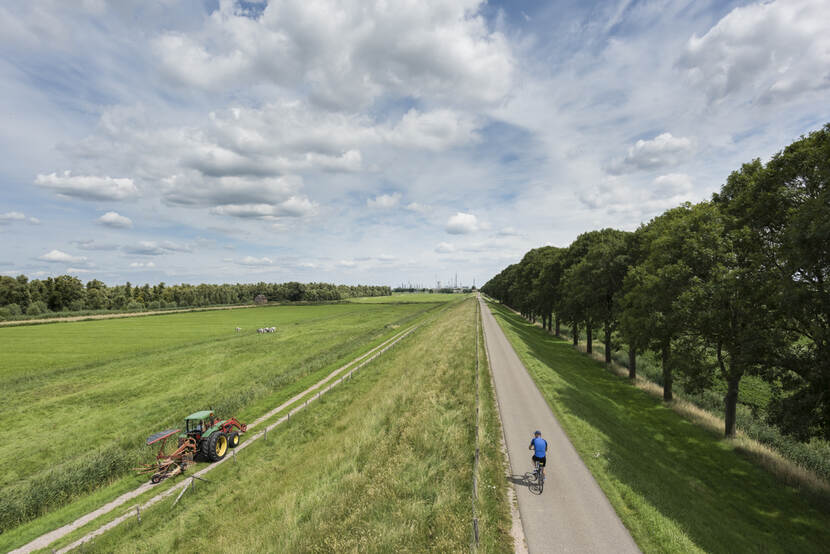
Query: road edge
{"points": [[516, 527]]}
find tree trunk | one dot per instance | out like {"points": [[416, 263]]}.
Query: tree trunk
{"points": [[632, 362], [667, 376], [589, 334], [731, 404], [608, 343], [550, 321], [575, 332], [557, 325]]}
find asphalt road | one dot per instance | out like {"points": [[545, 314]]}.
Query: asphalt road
{"points": [[572, 514]]}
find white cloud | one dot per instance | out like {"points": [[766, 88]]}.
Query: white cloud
{"points": [[295, 206], [417, 207], [10, 217], [616, 196], [251, 261], [435, 130], [672, 185], [346, 263], [94, 245], [661, 151], [346, 53], [444, 248], [462, 224], [384, 201], [771, 50], [77, 270], [59, 256], [115, 220], [156, 248], [508, 232], [88, 187], [197, 191], [143, 264]]}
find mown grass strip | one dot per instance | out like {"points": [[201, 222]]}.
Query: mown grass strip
{"points": [[677, 486], [382, 463]]}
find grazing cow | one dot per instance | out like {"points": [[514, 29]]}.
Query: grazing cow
{"points": [[260, 330]]}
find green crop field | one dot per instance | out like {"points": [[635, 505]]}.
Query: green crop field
{"points": [[676, 486], [90, 392], [382, 463]]}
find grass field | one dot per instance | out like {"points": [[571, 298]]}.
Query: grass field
{"points": [[90, 392], [676, 486], [382, 463], [403, 297]]}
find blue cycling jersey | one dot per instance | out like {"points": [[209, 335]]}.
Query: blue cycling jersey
{"points": [[540, 446]]}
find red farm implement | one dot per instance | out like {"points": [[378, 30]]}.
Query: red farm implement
{"points": [[167, 465]]}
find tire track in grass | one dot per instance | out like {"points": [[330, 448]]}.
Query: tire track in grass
{"points": [[48, 538]]}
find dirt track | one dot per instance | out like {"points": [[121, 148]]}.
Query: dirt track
{"points": [[115, 316], [572, 514]]}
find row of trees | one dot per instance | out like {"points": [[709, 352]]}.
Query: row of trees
{"points": [[19, 295], [718, 290]]}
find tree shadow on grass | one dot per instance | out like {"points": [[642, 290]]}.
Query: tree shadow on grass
{"points": [[718, 498]]}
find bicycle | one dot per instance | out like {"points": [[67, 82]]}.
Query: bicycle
{"points": [[537, 483]]}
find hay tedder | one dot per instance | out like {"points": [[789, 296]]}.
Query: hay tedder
{"points": [[167, 465], [206, 436]]}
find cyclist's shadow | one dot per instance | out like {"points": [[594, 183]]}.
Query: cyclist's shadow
{"points": [[526, 480]]}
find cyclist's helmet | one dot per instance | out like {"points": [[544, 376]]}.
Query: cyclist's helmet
{"points": [[538, 433]]}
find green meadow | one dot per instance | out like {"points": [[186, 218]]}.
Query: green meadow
{"points": [[88, 393]]}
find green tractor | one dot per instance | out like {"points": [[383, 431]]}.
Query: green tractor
{"points": [[213, 436]]}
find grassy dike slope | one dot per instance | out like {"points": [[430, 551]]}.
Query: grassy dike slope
{"points": [[676, 486], [383, 463]]}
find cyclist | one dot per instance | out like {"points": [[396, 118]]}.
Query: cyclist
{"points": [[540, 449]]}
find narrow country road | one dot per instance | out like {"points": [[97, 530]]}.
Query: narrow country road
{"points": [[572, 514]]}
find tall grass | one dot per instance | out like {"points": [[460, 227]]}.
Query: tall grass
{"points": [[677, 486], [382, 463]]}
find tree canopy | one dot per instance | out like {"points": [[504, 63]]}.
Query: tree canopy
{"points": [[717, 290]]}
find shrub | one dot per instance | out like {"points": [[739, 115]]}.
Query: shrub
{"points": [[37, 308], [14, 309]]}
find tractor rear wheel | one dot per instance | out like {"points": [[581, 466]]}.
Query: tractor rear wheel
{"points": [[217, 446], [233, 439]]}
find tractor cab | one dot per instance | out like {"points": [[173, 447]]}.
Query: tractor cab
{"points": [[197, 423]]}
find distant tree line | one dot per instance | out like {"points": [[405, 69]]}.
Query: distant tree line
{"points": [[736, 286], [19, 295]]}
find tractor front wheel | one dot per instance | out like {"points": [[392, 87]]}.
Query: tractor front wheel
{"points": [[217, 446], [233, 439]]}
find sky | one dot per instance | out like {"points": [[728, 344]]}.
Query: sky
{"points": [[377, 141]]}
